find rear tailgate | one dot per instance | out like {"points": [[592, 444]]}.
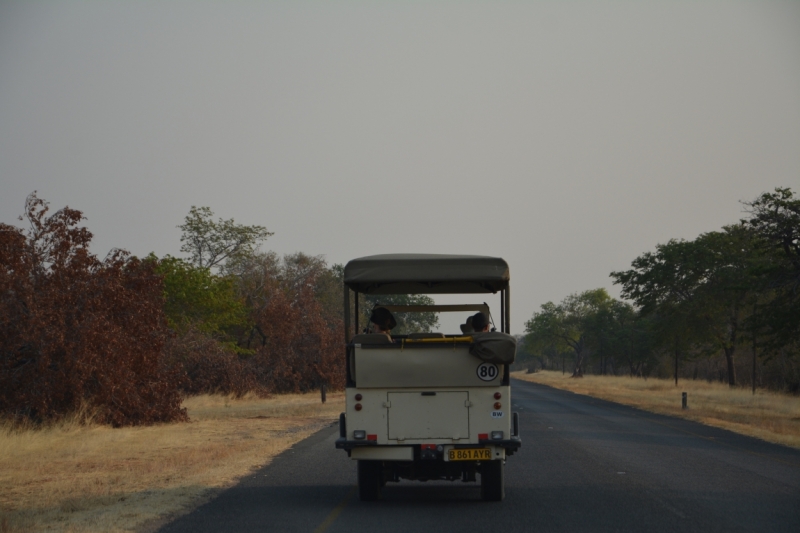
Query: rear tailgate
{"points": [[428, 415]]}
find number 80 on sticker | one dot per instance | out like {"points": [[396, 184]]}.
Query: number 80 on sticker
{"points": [[487, 371]]}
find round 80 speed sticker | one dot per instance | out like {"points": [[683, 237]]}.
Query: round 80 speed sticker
{"points": [[487, 371]]}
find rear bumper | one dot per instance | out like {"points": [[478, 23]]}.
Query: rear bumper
{"points": [[511, 445], [344, 444]]}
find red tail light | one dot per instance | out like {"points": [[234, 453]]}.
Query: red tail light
{"points": [[372, 437], [483, 436]]}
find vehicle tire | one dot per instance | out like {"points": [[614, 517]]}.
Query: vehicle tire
{"points": [[370, 474], [492, 484]]}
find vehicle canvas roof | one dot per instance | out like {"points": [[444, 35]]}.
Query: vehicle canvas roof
{"points": [[426, 274]]}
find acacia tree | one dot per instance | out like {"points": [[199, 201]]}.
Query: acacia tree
{"points": [[213, 244]]}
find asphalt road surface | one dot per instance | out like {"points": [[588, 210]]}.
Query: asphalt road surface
{"points": [[585, 465]]}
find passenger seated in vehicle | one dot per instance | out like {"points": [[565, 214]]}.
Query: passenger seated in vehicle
{"points": [[467, 327], [480, 323], [382, 321]]}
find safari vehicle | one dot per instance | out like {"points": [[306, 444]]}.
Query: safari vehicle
{"points": [[428, 406]]}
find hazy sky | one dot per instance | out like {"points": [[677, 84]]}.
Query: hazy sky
{"points": [[566, 137]]}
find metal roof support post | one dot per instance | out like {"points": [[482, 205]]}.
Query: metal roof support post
{"points": [[506, 306], [507, 314], [503, 310], [347, 314], [355, 313]]}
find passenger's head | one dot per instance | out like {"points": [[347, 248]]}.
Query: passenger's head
{"points": [[467, 327], [480, 322], [382, 319]]}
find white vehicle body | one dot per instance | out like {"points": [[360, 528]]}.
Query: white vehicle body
{"points": [[428, 406]]}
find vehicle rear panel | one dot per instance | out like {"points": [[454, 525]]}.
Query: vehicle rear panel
{"points": [[425, 395]]}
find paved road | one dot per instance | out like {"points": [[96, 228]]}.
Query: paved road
{"points": [[585, 465]]}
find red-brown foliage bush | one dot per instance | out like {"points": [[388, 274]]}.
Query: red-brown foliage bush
{"points": [[75, 330], [301, 351], [209, 367]]}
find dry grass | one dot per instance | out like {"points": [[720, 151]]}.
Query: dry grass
{"points": [[76, 477], [766, 415]]}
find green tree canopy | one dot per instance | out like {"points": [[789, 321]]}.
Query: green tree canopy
{"points": [[570, 325], [213, 244], [701, 286], [194, 297], [775, 218]]}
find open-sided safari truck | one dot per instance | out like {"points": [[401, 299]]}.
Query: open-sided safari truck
{"points": [[428, 406]]}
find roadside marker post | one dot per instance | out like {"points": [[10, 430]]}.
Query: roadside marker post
{"points": [[683, 401]]}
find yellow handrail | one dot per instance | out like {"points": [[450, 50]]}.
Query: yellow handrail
{"points": [[439, 340]]}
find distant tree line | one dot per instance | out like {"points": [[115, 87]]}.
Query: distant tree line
{"points": [[725, 306], [130, 337]]}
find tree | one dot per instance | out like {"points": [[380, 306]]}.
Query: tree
{"points": [[572, 324], [76, 330], [196, 298], [676, 332], [261, 275], [301, 351], [215, 244], [546, 354], [636, 340], [329, 289], [302, 270], [775, 218], [257, 278], [615, 330], [700, 287]]}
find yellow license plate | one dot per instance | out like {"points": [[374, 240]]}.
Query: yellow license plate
{"points": [[470, 454]]}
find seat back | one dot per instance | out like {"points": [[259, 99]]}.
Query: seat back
{"points": [[368, 339], [371, 338]]}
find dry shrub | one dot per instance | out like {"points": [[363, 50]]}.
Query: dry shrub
{"points": [[209, 367], [78, 333], [75, 330], [301, 352]]}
